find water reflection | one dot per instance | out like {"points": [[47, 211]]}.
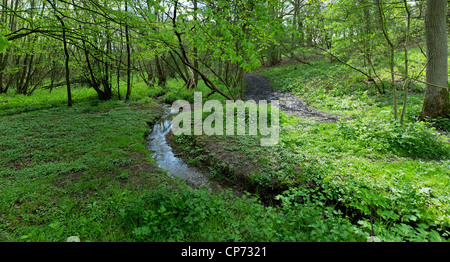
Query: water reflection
{"points": [[166, 159]]}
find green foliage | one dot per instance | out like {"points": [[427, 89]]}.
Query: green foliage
{"points": [[187, 215], [176, 91], [85, 171], [42, 99], [323, 222], [63, 169], [397, 205], [374, 168], [412, 139], [322, 167], [439, 123], [3, 43], [380, 209], [12, 103], [164, 215]]}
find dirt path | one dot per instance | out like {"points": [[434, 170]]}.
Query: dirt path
{"points": [[258, 88]]}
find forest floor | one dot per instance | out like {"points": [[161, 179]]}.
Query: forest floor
{"points": [[87, 171]]}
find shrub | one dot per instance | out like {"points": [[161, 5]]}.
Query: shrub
{"points": [[196, 215], [176, 91], [440, 123]]}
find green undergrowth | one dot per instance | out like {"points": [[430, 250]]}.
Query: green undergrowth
{"points": [[85, 171], [175, 89], [186, 215], [378, 169], [12, 103], [62, 169], [316, 163], [388, 179]]}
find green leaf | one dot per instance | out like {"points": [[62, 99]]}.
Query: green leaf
{"points": [[3, 43]]}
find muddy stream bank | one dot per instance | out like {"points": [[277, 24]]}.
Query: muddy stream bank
{"points": [[165, 157]]}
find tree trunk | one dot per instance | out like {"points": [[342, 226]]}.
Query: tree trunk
{"points": [[118, 81], [436, 102], [406, 85], [391, 54], [66, 53], [127, 38], [162, 79], [367, 41], [3, 64], [195, 49]]}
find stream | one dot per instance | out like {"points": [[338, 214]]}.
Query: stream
{"points": [[167, 160]]}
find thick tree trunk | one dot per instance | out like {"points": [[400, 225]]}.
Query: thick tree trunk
{"points": [[436, 102]]}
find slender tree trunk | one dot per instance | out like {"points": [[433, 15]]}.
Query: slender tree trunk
{"points": [[1, 83], [66, 53], [195, 49], [407, 81], [241, 82], [93, 81], [127, 38], [107, 63], [3, 59], [367, 42], [118, 82], [436, 102], [21, 78], [391, 54], [294, 26], [119, 61], [52, 77], [159, 71], [161, 76]]}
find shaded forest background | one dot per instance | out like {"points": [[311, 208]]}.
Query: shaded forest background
{"points": [[95, 43]]}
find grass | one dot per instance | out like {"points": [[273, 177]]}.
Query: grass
{"points": [[63, 169]]}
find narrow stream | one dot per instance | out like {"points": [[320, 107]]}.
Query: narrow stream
{"points": [[166, 159]]}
